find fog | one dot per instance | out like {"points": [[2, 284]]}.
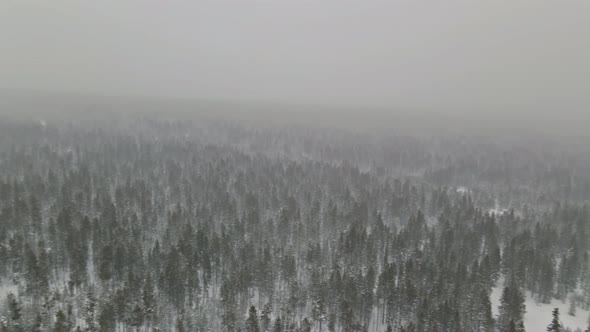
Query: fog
{"points": [[295, 165], [503, 57]]}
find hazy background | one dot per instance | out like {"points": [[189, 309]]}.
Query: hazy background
{"points": [[500, 57]]}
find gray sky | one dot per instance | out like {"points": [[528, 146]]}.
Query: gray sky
{"points": [[437, 55]]}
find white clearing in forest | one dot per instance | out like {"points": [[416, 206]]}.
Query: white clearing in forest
{"points": [[538, 315], [6, 287], [463, 190]]}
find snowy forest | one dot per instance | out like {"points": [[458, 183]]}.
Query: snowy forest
{"points": [[184, 224]]}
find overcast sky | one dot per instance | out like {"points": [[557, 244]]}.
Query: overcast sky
{"points": [[447, 55]]}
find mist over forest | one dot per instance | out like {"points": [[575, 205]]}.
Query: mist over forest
{"points": [[201, 221]]}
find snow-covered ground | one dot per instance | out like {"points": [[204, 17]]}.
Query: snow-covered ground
{"points": [[538, 315], [463, 190], [7, 286], [497, 211]]}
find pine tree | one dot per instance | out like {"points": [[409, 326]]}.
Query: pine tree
{"points": [[148, 298], [43, 269], [346, 315], [106, 317], [36, 219], [484, 318], [555, 325], [38, 323], [511, 326], [15, 312], [278, 327], [136, 319], [31, 269], [61, 322], [318, 312], [511, 307], [179, 325], [229, 319], [306, 325], [105, 263], [252, 321], [265, 317], [89, 312], [572, 308], [586, 289], [14, 308]]}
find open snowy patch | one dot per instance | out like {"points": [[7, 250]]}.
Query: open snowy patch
{"points": [[6, 287], [462, 190], [538, 315]]}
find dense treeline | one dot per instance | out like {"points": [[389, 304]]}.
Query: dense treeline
{"points": [[214, 226]]}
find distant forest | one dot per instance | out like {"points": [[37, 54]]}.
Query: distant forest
{"points": [[148, 224]]}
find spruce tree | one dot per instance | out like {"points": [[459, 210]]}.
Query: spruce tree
{"points": [[306, 325], [252, 321], [148, 298], [107, 317], [278, 327], [265, 317], [136, 319], [555, 325], [511, 326], [89, 312], [38, 323], [61, 322], [572, 308], [484, 318], [179, 325], [511, 307], [14, 308]]}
